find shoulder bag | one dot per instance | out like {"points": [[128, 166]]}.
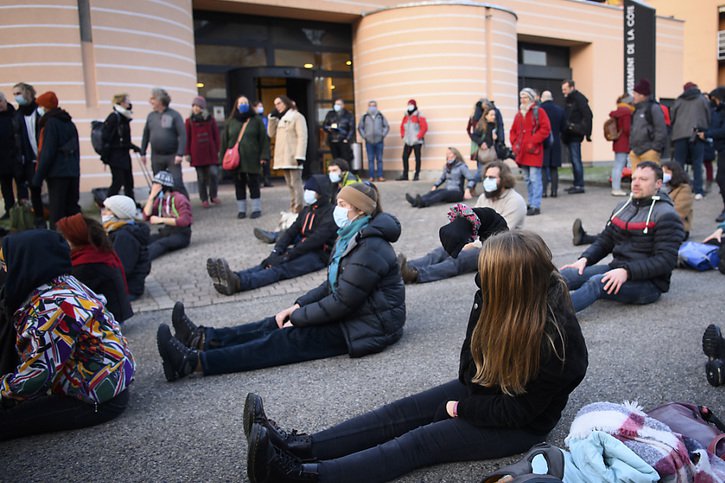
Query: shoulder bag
{"points": [[230, 162]]}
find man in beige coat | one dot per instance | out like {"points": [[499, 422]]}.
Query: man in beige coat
{"points": [[289, 130]]}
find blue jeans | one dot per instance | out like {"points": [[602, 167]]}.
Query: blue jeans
{"points": [[620, 161], [375, 154], [588, 288], [441, 196], [534, 186], [262, 344], [413, 432], [575, 156], [438, 264], [259, 276], [695, 152]]}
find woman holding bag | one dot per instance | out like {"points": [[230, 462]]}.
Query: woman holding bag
{"points": [[245, 130]]}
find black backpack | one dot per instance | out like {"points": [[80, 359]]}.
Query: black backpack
{"points": [[97, 136]]}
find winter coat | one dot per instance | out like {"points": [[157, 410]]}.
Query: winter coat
{"points": [[623, 115], [717, 127], [173, 204], [413, 128], [314, 230], [165, 132], [683, 199], [644, 136], [290, 139], [643, 237], [539, 408], [9, 154], [131, 245], [58, 148], [373, 128], [473, 122], [345, 126], [21, 131], [253, 147], [116, 136], [527, 137], [578, 118], [109, 282], [690, 111], [557, 120], [454, 176], [369, 300], [202, 141]]}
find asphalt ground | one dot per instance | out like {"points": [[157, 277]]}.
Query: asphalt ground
{"points": [[191, 430]]}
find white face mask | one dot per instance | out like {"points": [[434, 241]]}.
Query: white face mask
{"points": [[107, 218], [334, 177], [340, 216], [41, 111], [666, 178], [490, 185], [411, 108], [310, 197]]}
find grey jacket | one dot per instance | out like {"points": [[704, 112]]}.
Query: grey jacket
{"points": [[455, 177], [165, 131], [373, 128], [691, 111], [644, 136]]}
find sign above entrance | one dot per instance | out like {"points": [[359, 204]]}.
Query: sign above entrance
{"points": [[639, 44]]}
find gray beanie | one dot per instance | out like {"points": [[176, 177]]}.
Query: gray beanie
{"points": [[123, 207], [528, 91], [164, 178]]}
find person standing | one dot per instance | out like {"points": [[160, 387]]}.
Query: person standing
{"points": [[202, 146], [10, 167], [648, 132], [339, 125], [690, 119], [717, 133], [530, 129], [578, 127], [552, 152], [373, 127], [289, 129], [258, 107], [26, 138], [165, 132], [412, 132], [59, 160], [116, 135], [623, 115], [246, 127]]}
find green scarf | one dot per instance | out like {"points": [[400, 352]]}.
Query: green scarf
{"points": [[344, 235]]}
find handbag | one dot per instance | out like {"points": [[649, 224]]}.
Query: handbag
{"points": [[699, 256], [484, 156], [694, 422], [230, 161]]}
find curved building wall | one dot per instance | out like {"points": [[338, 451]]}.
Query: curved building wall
{"points": [[129, 46], [445, 56]]}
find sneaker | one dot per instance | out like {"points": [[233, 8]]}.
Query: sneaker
{"points": [[241, 215], [265, 236], [619, 193], [185, 330], [575, 190], [533, 211], [178, 360], [577, 232], [713, 346], [267, 463], [205, 204], [699, 196]]}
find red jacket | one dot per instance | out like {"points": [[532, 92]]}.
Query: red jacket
{"points": [[202, 142], [527, 140], [415, 119], [623, 115]]}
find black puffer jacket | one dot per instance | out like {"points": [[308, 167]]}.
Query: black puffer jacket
{"points": [[643, 237], [314, 230], [131, 245], [539, 408], [59, 155], [369, 302], [116, 136], [578, 118]]}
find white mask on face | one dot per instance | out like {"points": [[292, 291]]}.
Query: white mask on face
{"points": [[310, 197], [490, 185], [107, 218], [340, 216], [666, 178], [41, 111], [334, 177]]}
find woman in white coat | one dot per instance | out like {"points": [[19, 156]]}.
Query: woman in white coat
{"points": [[289, 130]]}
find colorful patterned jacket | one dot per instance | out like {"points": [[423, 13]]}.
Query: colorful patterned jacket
{"points": [[68, 344]]}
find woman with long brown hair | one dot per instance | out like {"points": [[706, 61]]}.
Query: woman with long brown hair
{"points": [[522, 356]]}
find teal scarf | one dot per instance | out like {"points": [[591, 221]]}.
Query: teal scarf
{"points": [[344, 235]]}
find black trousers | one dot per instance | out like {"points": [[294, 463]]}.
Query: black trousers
{"points": [[63, 194], [28, 171], [441, 196], [52, 413], [121, 177], [168, 240], [341, 150], [244, 180], [406, 155], [6, 185], [720, 178]]}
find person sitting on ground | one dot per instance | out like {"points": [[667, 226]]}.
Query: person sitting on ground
{"points": [[358, 310], [454, 175], [303, 248], [500, 197], [520, 360], [643, 235], [130, 241], [95, 264], [74, 364], [716, 239], [170, 208], [677, 184], [340, 176]]}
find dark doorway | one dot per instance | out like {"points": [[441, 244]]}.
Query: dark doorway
{"points": [[543, 68]]}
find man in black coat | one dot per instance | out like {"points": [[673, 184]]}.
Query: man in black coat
{"points": [[552, 153], [578, 126], [26, 139], [339, 125], [303, 248], [10, 166]]}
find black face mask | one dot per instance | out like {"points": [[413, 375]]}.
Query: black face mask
{"points": [[130, 107]]}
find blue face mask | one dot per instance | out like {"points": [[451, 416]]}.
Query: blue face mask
{"points": [[243, 108], [372, 110], [490, 185], [21, 101], [260, 110], [334, 177], [340, 216], [666, 178], [337, 107], [310, 197], [41, 111]]}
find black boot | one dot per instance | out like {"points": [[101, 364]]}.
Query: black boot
{"points": [[177, 359], [269, 464], [225, 281], [419, 202], [713, 345], [185, 330], [409, 274], [298, 444], [577, 233], [411, 199]]}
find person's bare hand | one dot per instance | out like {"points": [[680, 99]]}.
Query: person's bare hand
{"points": [[579, 265], [156, 220], [614, 279], [283, 316], [178, 159], [716, 235]]}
